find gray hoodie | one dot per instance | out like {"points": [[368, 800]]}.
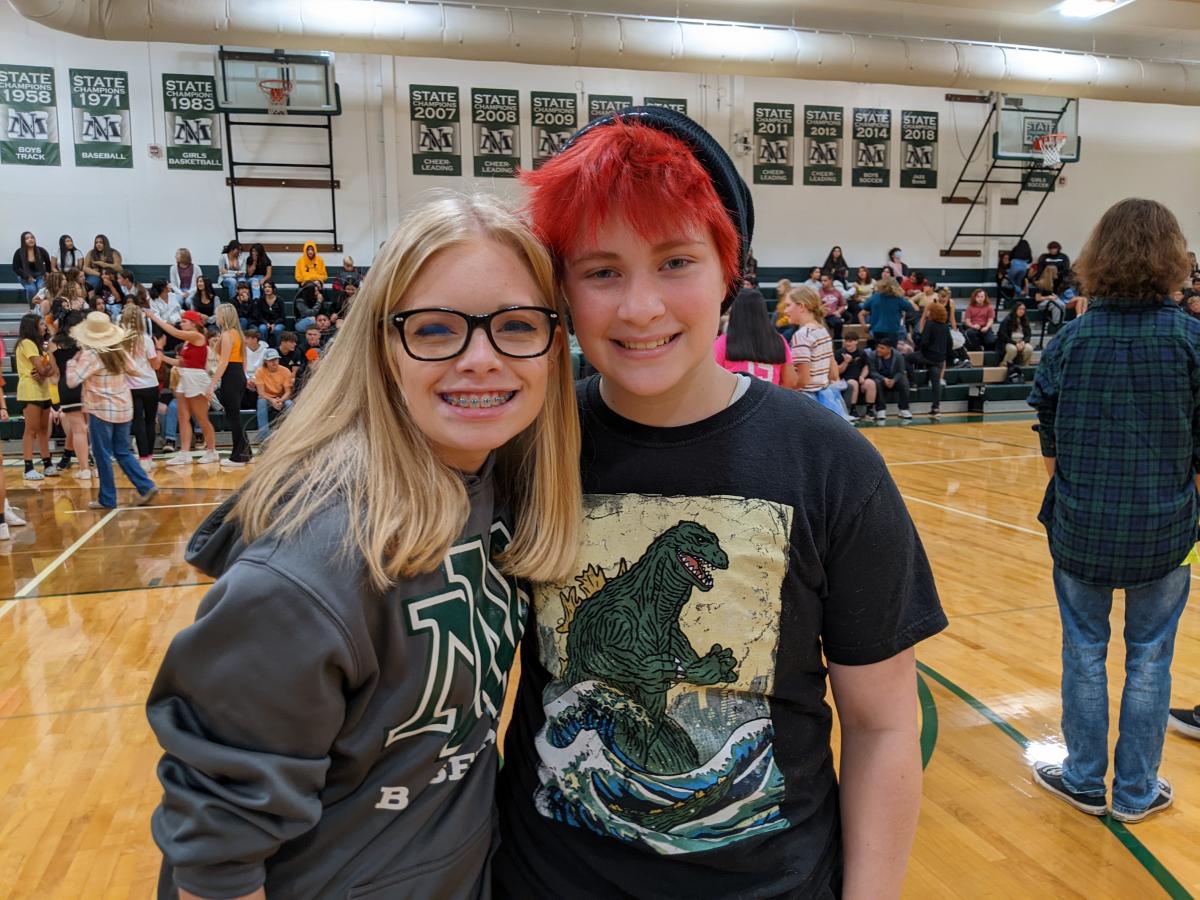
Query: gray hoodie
{"points": [[327, 740]]}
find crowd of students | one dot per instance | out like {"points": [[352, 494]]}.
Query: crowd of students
{"points": [[912, 325], [186, 353]]}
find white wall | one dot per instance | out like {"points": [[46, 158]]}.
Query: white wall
{"points": [[1128, 149]]}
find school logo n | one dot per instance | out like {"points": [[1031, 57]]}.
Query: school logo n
{"points": [[101, 129], [28, 125], [823, 153], [550, 142], [918, 156], [496, 141], [872, 155], [193, 132], [473, 624], [436, 139], [774, 152]]}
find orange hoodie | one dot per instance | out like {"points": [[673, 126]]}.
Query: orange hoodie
{"points": [[310, 269]]}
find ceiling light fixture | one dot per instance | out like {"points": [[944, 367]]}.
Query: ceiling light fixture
{"points": [[1089, 9]]}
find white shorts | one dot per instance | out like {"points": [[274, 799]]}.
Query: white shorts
{"points": [[193, 382]]}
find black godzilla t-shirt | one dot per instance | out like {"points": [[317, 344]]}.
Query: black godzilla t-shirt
{"points": [[671, 736]]}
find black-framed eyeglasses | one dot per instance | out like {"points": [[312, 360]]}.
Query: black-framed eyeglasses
{"points": [[434, 335]]}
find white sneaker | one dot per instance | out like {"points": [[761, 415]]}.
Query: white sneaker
{"points": [[12, 515], [51, 471], [906, 414], [182, 458], [83, 474], [5, 535], [210, 456], [232, 464], [881, 418], [33, 475]]}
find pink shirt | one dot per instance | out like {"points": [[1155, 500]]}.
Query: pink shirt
{"points": [[977, 316], [772, 372]]}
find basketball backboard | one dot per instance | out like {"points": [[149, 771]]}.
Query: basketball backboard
{"points": [[240, 70], [1026, 117]]}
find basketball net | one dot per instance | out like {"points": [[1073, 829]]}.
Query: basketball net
{"points": [[277, 95], [1050, 147]]}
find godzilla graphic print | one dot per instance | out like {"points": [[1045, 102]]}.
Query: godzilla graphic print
{"points": [[658, 729]]}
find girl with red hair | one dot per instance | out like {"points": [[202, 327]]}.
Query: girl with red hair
{"points": [[670, 737]]}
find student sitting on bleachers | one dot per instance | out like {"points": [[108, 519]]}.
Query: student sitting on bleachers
{"points": [[308, 304], [889, 373], [860, 291], [341, 302], [310, 267], [1192, 305], [231, 268], [833, 300], [1015, 337], [835, 266], [205, 300], [273, 383], [246, 309], [69, 256], [328, 330], [108, 297], [978, 318], [1046, 295], [1055, 257], [252, 354], [258, 269], [163, 303], [132, 290], [814, 279], [349, 272], [55, 286], [914, 284], [895, 262], [289, 355], [269, 314], [854, 368], [31, 264], [183, 276], [100, 259]]}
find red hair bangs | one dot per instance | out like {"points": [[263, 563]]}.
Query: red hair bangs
{"points": [[647, 176]]}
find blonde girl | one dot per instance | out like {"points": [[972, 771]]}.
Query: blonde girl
{"points": [[229, 381], [329, 720], [812, 347], [194, 388]]}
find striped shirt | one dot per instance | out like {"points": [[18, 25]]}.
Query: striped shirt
{"points": [[812, 344], [105, 395], [1118, 400]]}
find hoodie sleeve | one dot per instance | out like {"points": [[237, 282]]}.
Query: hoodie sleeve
{"points": [[246, 706]]}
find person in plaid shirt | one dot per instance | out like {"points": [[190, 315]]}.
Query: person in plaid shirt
{"points": [[103, 366], [1118, 400]]}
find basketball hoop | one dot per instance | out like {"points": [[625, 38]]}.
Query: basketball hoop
{"points": [[1050, 146], [277, 92]]}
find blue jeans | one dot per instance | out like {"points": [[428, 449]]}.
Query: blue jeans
{"points": [[32, 287], [255, 286], [1152, 613], [229, 282], [93, 281], [109, 440], [271, 333], [265, 412], [304, 324]]}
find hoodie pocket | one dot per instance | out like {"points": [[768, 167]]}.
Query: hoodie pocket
{"points": [[460, 875]]}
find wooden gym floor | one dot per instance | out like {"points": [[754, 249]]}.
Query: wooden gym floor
{"points": [[89, 602]]}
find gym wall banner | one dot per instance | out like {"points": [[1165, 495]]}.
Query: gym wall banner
{"points": [[675, 103], [872, 133], [824, 130], [496, 132], [604, 104], [100, 114], [193, 132], [919, 149], [29, 111], [555, 118], [774, 142], [436, 141]]}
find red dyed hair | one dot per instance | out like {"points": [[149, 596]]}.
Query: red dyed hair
{"points": [[629, 169]]}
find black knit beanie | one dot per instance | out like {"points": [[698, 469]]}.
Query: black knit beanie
{"points": [[729, 185]]}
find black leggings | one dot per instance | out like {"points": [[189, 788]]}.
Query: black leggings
{"points": [[145, 411], [935, 373], [232, 390]]}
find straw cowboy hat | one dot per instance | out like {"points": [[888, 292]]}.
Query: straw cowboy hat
{"points": [[99, 333]]}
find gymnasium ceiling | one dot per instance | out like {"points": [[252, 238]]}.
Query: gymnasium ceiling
{"points": [[1154, 29]]}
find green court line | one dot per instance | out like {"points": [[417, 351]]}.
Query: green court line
{"points": [[929, 721], [1140, 852]]}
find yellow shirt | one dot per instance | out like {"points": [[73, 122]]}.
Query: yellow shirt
{"points": [[29, 389]]}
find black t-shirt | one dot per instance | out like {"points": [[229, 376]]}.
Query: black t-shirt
{"points": [[858, 361], [671, 736]]}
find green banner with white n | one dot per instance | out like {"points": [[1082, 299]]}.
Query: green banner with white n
{"points": [[29, 111], [100, 115], [193, 129]]}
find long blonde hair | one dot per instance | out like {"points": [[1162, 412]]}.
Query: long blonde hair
{"points": [[408, 507], [227, 318], [805, 296], [132, 319]]}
